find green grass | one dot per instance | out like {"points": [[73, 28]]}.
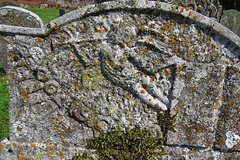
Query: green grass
{"points": [[4, 118], [46, 15]]}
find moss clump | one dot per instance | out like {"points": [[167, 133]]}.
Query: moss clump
{"points": [[166, 121], [129, 145], [133, 144], [84, 156]]}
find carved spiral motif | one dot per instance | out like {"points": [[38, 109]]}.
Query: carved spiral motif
{"points": [[51, 87]]}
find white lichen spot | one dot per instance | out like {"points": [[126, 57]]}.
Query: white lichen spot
{"points": [[232, 139]]}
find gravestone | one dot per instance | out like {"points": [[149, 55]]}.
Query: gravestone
{"points": [[115, 65], [230, 19], [16, 16], [61, 12]]}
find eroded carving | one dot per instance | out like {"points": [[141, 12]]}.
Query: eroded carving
{"points": [[76, 69]]}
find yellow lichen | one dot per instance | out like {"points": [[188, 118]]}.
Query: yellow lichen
{"points": [[190, 13], [182, 9], [105, 30], [56, 118], [142, 91], [123, 59], [50, 154], [60, 133], [53, 147], [195, 17], [98, 126], [39, 39], [62, 155], [167, 73], [1, 147], [220, 31], [33, 145], [55, 26], [145, 50], [20, 153], [38, 155], [11, 59]]}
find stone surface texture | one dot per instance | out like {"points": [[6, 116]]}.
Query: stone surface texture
{"points": [[115, 65]]}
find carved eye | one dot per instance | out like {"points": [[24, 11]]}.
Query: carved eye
{"points": [[37, 54], [51, 87], [41, 76]]}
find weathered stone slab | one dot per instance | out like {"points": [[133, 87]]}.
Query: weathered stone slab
{"points": [[228, 133], [230, 19], [198, 104], [16, 16], [111, 66]]}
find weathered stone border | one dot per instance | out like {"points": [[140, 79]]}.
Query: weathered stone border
{"points": [[114, 5]]}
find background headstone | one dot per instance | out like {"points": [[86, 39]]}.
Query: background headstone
{"points": [[61, 12], [231, 19], [15, 16], [230, 4]]}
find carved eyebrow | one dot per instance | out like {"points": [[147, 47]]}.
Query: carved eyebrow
{"points": [[156, 46], [153, 43]]}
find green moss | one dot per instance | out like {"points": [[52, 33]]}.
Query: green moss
{"points": [[129, 145], [166, 121], [132, 144], [84, 156]]}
